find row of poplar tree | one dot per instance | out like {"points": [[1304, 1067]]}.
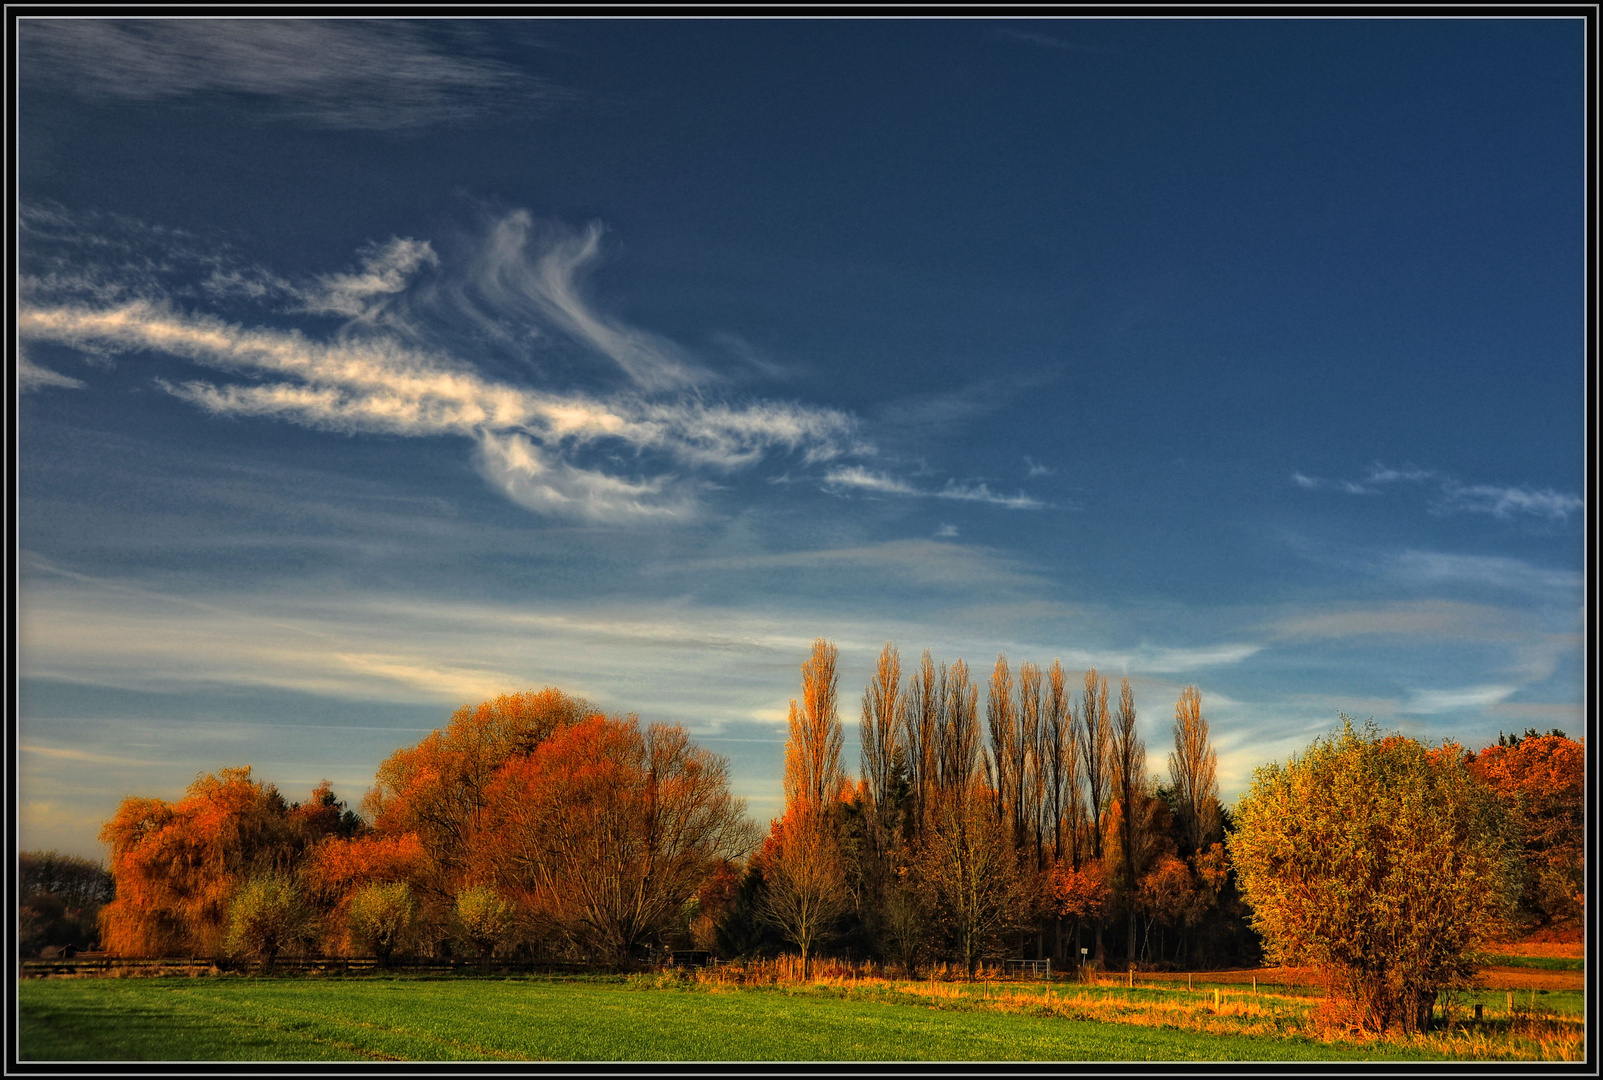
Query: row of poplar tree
{"points": [[1032, 831]]}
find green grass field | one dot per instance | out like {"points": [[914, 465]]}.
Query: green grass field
{"points": [[421, 1019]]}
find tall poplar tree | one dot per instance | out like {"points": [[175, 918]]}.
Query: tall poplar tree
{"points": [[1192, 766], [1001, 763], [1129, 774]]}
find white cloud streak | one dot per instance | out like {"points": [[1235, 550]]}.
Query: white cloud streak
{"points": [[1429, 702], [540, 481], [1507, 502], [858, 478], [386, 270], [536, 272], [981, 492], [855, 476], [1455, 497], [1495, 571], [30, 376], [383, 74], [382, 374], [1435, 619]]}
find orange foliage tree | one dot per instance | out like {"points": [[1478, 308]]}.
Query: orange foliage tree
{"points": [[1542, 780], [803, 873], [438, 789], [609, 831], [178, 865], [603, 831]]}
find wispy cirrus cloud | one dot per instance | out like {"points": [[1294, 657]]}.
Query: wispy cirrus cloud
{"points": [[861, 479], [383, 74], [1501, 573], [1429, 702], [393, 367], [1506, 502], [532, 272], [30, 376], [981, 492], [1455, 497], [925, 561], [1437, 619], [855, 477], [386, 270]]}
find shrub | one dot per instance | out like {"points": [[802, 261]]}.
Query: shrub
{"points": [[381, 917], [1380, 861]]}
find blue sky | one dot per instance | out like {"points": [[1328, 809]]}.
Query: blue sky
{"points": [[370, 368]]}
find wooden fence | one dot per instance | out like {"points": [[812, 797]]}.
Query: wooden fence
{"points": [[307, 965]]}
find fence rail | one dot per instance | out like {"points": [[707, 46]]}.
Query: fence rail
{"points": [[305, 965]]}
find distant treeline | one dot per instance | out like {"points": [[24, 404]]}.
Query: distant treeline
{"points": [[535, 827]]}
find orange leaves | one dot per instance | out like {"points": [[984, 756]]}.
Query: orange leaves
{"points": [[1542, 778], [177, 865], [813, 773], [610, 830], [1169, 892], [1080, 894], [334, 867], [438, 789], [607, 830]]}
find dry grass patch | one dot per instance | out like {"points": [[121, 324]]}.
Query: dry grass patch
{"points": [[1157, 1001]]}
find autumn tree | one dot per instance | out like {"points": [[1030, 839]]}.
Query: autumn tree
{"points": [[958, 766], [969, 869], [1382, 863], [1061, 764], [1191, 770], [1541, 780], [1095, 753], [882, 727], [267, 916], [1001, 763], [178, 865], [1080, 892], [714, 902], [804, 879], [323, 815], [923, 712], [610, 831], [1169, 894], [1030, 760], [1129, 776], [882, 757], [813, 773], [437, 789], [804, 876], [380, 918], [336, 867], [484, 918]]}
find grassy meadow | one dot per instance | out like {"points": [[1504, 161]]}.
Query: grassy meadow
{"points": [[741, 1017]]}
